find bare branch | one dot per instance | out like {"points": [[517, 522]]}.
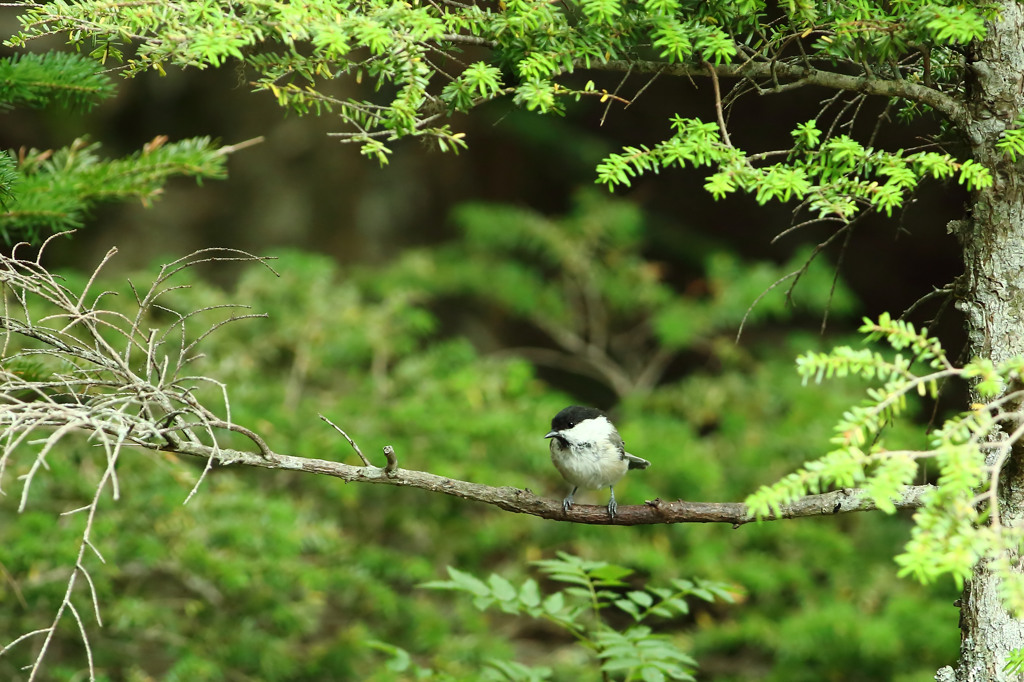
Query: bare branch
{"points": [[199, 481], [238, 146], [796, 75], [461, 39], [103, 374], [642, 89], [66, 603], [608, 106], [750, 308], [718, 104], [92, 592], [85, 641], [351, 442], [523, 501]]}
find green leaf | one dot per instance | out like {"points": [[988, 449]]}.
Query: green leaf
{"points": [[554, 603], [529, 594], [642, 599], [629, 607], [468, 583], [501, 589], [608, 574]]}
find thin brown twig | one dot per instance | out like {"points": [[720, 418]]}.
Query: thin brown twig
{"points": [[835, 278], [718, 104], [351, 442], [750, 309], [238, 146], [643, 87], [66, 601], [618, 87], [806, 223]]}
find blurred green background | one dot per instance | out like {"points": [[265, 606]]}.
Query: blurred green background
{"points": [[422, 306]]}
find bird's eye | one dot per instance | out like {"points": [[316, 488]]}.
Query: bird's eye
{"points": [[572, 424]]}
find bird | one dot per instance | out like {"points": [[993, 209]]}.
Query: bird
{"points": [[589, 453]]}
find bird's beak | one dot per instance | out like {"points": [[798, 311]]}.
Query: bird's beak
{"points": [[551, 434]]}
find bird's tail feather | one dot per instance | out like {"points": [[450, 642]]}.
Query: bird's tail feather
{"points": [[637, 462]]}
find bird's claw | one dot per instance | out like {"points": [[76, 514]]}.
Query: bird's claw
{"points": [[613, 506]]}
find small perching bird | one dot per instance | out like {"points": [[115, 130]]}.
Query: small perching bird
{"points": [[589, 453]]}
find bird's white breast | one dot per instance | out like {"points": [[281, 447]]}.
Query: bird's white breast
{"points": [[589, 461]]}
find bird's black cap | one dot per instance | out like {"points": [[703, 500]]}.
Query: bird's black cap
{"points": [[573, 415]]}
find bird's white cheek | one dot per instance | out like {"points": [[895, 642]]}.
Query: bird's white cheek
{"points": [[591, 430]]}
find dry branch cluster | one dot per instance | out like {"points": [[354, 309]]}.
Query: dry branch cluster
{"points": [[72, 364]]}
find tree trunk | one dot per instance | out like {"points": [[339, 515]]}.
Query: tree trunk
{"points": [[992, 299]]}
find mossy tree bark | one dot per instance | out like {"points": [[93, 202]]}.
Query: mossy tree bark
{"points": [[992, 299]]}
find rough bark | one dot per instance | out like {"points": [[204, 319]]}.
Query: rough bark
{"points": [[992, 299]]}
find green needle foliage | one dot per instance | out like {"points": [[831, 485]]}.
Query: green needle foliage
{"points": [[8, 176], [837, 178], [54, 190], [430, 60], [48, 191], [959, 524], [1012, 142], [33, 80], [67, 80]]}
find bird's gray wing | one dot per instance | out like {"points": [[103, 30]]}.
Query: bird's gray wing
{"points": [[616, 440], [634, 461]]}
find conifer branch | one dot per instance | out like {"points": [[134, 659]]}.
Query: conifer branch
{"points": [[85, 179], [786, 76], [65, 79]]}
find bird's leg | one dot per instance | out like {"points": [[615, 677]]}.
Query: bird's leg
{"points": [[567, 502], [612, 504]]}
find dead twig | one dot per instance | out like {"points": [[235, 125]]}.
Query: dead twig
{"points": [[351, 442], [718, 103]]}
